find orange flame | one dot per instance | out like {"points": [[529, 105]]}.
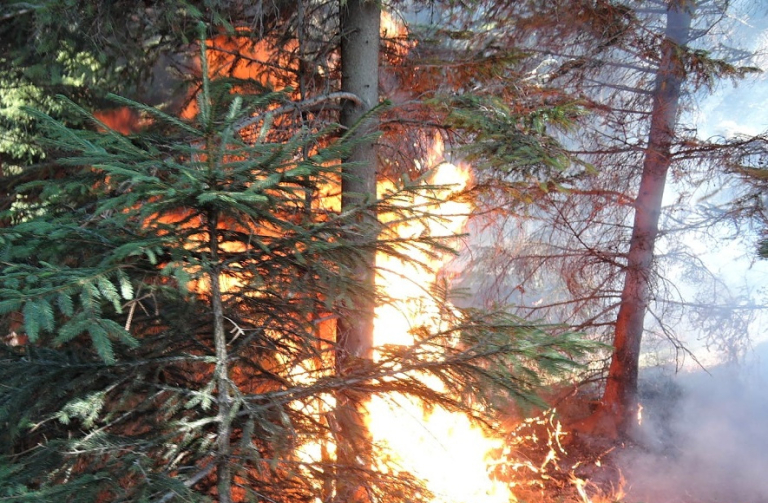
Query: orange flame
{"points": [[444, 449], [124, 120], [441, 448]]}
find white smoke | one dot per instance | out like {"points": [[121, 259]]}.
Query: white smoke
{"points": [[706, 437]]}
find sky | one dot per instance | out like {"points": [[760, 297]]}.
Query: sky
{"points": [[740, 109]]}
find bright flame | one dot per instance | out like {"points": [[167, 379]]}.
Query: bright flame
{"points": [[439, 447], [123, 120], [451, 455]]}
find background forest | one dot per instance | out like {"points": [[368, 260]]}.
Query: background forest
{"points": [[246, 246]]}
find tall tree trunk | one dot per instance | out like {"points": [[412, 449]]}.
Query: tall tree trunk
{"points": [[620, 398], [359, 23]]}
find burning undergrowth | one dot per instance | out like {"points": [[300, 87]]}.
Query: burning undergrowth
{"points": [[535, 460], [543, 462], [700, 439]]}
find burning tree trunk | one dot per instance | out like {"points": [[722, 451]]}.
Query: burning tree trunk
{"points": [[620, 397], [359, 24]]}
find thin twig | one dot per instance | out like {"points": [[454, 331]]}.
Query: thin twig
{"points": [[299, 105], [20, 12]]}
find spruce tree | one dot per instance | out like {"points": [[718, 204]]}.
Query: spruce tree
{"points": [[169, 295], [588, 242]]}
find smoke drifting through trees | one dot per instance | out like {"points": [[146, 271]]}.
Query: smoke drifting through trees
{"points": [[703, 434], [585, 246], [251, 415]]}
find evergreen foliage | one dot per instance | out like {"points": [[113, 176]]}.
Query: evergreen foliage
{"points": [[171, 297], [562, 235], [84, 49]]}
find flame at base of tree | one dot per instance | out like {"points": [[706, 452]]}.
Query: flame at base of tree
{"points": [[457, 460], [274, 268], [440, 447], [544, 463]]}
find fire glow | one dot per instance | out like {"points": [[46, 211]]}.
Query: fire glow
{"points": [[453, 457], [441, 448]]}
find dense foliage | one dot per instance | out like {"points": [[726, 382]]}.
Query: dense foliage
{"points": [[180, 286], [174, 293]]}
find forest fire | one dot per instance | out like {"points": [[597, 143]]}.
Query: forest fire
{"points": [[442, 448], [234, 282], [456, 460], [459, 462]]}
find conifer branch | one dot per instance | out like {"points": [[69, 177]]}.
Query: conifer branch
{"points": [[295, 106]]}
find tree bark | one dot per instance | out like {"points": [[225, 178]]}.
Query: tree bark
{"points": [[223, 399], [359, 24], [360, 20], [619, 402]]}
